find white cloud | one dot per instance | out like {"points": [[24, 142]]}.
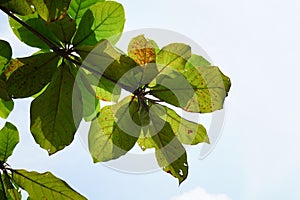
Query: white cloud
{"points": [[200, 194]]}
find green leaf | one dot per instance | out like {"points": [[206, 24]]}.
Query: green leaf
{"points": [[12, 190], [30, 38], [173, 56], [5, 54], [169, 152], [91, 105], [195, 89], [9, 138], [5, 108], [77, 8], [33, 74], [21, 7], [51, 10], [187, 132], [3, 91], [141, 50], [53, 117], [115, 67], [113, 133], [104, 20], [45, 186], [63, 29]]}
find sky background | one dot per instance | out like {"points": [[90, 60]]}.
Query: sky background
{"points": [[257, 44]]}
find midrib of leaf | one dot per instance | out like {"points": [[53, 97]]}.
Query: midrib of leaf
{"points": [[40, 184], [58, 100], [79, 7], [170, 62], [93, 30], [6, 146]]}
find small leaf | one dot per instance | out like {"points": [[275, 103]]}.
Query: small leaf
{"points": [[51, 10], [30, 38], [9, 138], [141, 50], [53, 121], [63, 29], [21, 7], [32, 75], [5, 108], [111, 134], [5, 54], [77, 8], [104, 20], [45, 186]]}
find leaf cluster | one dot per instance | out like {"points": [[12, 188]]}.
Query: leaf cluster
{"points": [[77, 67]]}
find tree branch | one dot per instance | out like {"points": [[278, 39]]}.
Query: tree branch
{"points": [[42, 37]]}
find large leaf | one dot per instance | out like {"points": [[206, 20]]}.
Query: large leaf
{"points": [[51, 10], [21, 7], [77, 8], [33, 74], [196, 88], [63, 29], [90, 102], [173, 56], [9, 138], [169, 152], [44, 186], [5, 108], [143, 52], [53, 121], [104, 20], [5, 54], [107, 64], [3, 91], [113, 133], [187, 132], [30, 38]]}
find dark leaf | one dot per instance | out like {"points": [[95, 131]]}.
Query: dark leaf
{"points": [[54, 117]]}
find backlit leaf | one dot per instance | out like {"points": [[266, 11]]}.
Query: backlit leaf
{"points": [[77, 8], [5, 108], [187, 132], [106, 63], [9, 138], [45, 186], [32, 75], [196, 89], [63, 29], [21, 7], [30, 38], [169, 152], [51, 10], [173, 56], [104, 20], [113, 133], [5, 54], [53, 121]]}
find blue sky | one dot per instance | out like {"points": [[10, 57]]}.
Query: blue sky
{"points": [[257, 44]]}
